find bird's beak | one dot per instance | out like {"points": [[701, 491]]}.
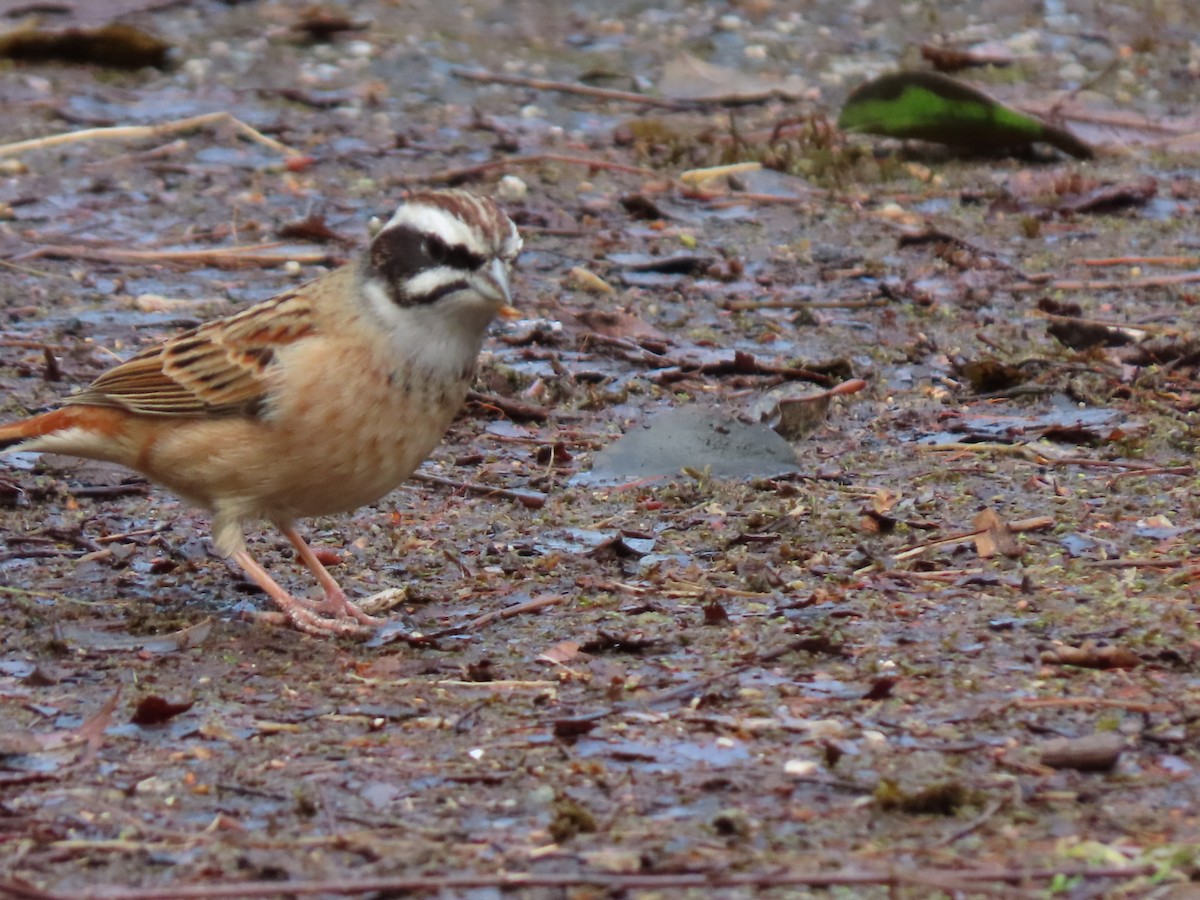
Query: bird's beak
{"points": [[497, 278], [497, 275]]}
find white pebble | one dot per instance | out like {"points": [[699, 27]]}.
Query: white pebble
{"points": [[511, 189]]}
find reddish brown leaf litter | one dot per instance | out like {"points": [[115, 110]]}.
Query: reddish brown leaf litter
{"points": [[944, 644]]}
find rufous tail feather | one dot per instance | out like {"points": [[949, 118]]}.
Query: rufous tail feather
{"points": [[92, 418]]}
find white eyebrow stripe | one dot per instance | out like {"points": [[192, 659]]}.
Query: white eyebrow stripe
{"points": [[434, 220]]}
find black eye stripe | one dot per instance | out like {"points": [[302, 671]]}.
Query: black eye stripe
{"points": [[439, 292], [400, 253], [454, 255]]}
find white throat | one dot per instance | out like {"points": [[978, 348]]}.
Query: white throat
{"points": [[442, 338]]}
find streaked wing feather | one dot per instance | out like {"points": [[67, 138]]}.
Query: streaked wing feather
{"points": [[216, 369]]}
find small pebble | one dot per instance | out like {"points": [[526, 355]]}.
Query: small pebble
{"points": [[511, 189]]}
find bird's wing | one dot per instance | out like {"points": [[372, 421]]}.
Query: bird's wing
{"points": [[216, 369]]}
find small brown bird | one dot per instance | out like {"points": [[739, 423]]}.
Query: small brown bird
{"points": [[317, 401]]}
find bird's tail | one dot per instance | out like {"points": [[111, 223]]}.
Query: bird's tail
{"points": [[57, 427]]}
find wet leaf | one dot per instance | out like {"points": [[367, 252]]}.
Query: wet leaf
{"points": [[630, 642], [562, 652], [312, 227], [995, 536], [1111, 198], [692, 438], [619, 323], [1098, 752], [1080, 334], [715, 613], [1069, 192], [22, 742], [881, 688], [571, 819], [674, 264], [573, 728], [581, 279], [116, 46], [989, 375], [639, 206], [1062, 418], [942, 799], [801, 416], [949, 59], [93, 639], [1092, 656], [154, 710], [321, 24], [931, 107], [687, 77]]}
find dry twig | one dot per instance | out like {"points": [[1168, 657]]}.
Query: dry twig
{"points": [[465, 173], [528, 499], [567, 87], [959, 880], [221, 258], [140, 132]]}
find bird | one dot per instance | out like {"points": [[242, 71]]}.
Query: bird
{"points": [[315, 402]]}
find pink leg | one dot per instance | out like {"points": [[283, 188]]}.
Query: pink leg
{"points": [[295, 611], [335, 605]]}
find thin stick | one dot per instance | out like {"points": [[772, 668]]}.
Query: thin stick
{"points": [[223, 258], [139, 132], [974, 825], [528, 499], [1137, 563], [568, 87], [1092, 702], [1028, 452], [454, 176], [1155, 470], [1038, 523], [514, 409], [745, 305], [518, 609], [1121, 285], [724, 199], [1109, 323], [609, 881], [36, 273], [1143, 261]]}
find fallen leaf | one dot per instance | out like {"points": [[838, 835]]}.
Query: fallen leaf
{"points": [[1091, 753], [1092, 656], [560, 653], [995, 536], [691, 438], [931, 107], [581, 279], [618, 323], [154, 710], [687, 77], [715, 614], [115, 45], [948, 59]]}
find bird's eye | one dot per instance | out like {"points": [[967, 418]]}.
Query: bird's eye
{"points": [[436, 249]]}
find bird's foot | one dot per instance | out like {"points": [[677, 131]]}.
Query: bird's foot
{"points": [[382, 602], [309, 622], [337, 606]]}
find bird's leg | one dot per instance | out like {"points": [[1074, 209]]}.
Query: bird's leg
{"points": [[336, 604], [294, 610]]}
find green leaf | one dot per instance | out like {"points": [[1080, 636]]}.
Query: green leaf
{"points": [[931, 107]]}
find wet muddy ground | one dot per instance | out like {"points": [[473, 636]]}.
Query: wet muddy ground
{"points": [[946, 642]]}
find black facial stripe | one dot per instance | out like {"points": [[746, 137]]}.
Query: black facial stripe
{"points": [[398, 254], [461, 258], [401, 252], [439, 292], [456, 256]]}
